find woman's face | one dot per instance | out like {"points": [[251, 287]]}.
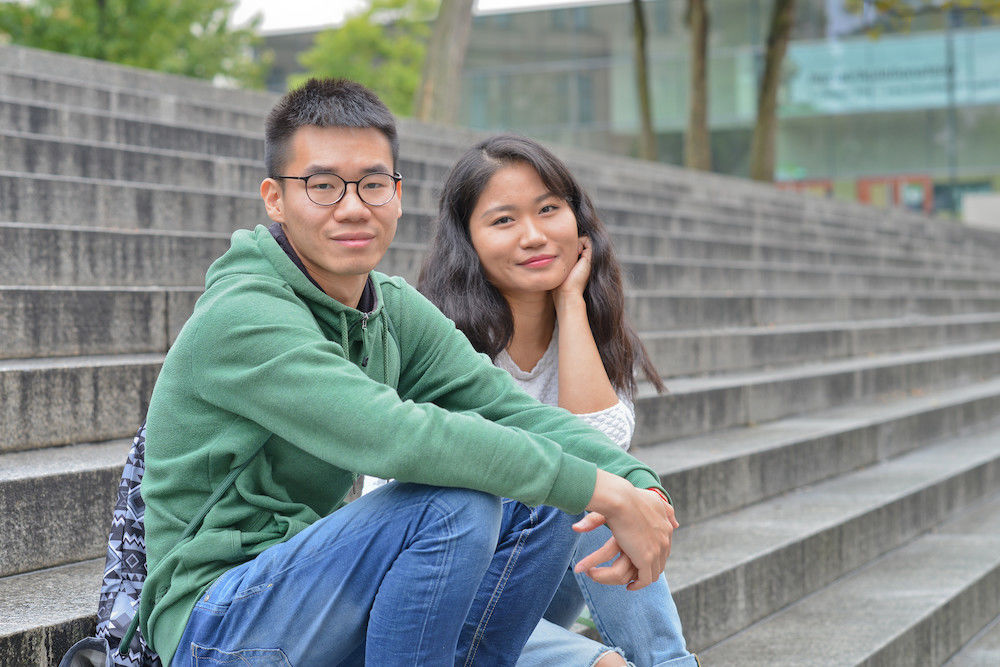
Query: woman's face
{"points": [[525, 236]]}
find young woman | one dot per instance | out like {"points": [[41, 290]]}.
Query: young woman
{"points": [[524, 267]]}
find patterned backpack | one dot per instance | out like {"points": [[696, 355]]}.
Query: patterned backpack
{"points": [[124, 574], [125, 571], [125, 564]]}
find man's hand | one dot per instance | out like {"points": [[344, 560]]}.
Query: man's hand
{"points": [[642, 524]]}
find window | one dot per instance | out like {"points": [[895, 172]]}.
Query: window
{"points": [[584, 98]]}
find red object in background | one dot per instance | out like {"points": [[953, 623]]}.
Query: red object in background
{"points": [[914, 191]]}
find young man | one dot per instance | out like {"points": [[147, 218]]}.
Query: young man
{"points": [[302, 360]]}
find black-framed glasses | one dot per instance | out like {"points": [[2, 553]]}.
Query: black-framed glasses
{"points": [[326, 189]]}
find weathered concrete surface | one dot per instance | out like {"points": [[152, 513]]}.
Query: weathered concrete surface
{"points": [[914, 606], [833, 348]]}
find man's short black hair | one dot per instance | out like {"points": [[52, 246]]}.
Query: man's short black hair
{"points": [[324, 103]]}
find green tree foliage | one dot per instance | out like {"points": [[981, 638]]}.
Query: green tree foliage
{"points": [[382, 47], [189, 37]]}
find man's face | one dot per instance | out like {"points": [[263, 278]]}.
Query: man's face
{"points": [[338, 244]]}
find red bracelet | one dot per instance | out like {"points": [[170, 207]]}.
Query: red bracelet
{"points": [[665, 497]]}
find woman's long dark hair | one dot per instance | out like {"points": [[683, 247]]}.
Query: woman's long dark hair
{"points": [[452, 276]]}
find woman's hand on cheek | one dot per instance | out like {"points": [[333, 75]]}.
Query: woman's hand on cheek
{"points": [[576, 280]]}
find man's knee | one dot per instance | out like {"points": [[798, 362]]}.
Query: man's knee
{"points": [[557, 526], [471, 515]]}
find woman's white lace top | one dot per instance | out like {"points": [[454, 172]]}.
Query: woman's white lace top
{"points": [[542, 382]]}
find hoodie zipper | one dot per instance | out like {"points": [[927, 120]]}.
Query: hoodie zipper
{"points": [[364, 341]]}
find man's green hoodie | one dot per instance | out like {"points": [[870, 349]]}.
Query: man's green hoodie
{"points": [[268, 359]]}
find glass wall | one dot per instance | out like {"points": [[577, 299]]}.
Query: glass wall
{"points": [[908, 117]]}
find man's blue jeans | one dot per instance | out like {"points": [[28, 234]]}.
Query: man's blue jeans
{"points": [[405, 575], [642, 625]]}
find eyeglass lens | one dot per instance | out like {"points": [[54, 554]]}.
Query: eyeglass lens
{"points": [[373, 189]]}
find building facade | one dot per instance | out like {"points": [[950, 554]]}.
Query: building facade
{"points": [[909, 117], [902, 115]]}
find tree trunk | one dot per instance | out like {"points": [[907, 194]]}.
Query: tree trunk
{"points": [[762, 145], [102, 29], [697, 141], [438, 94], [647, 138]]}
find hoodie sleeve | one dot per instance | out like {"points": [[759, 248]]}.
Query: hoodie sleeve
{"points": [[263, 356], [442, 367]]}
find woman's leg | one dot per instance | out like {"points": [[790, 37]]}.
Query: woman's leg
{"points": [[552, 644], [643, 623], [532, 556], [388, 580]]}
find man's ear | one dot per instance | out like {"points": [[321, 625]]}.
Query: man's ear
{"points": [[274, 204]]}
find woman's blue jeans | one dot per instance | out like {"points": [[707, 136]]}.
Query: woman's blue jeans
{"points": [[642, 625], [405, 575]]}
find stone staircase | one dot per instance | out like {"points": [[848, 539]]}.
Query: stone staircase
{"points": [[831, 435]]}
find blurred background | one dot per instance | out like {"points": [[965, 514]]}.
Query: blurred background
{"points": [[887, 102]]}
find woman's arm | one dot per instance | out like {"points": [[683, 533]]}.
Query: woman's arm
{"points": [[584, 385]]}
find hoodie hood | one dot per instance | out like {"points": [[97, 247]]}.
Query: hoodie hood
{"points": [[257, 253]]}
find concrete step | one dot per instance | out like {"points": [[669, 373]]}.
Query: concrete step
{"points": [[74, 123], [43, 254], [706, 221], [747, 202], [68, 122], [80, 163], [69, 493], [65, 321], [52, 201], [729, 196], [914, 487], [44, 154], [61, 401], [75, 482], [46, 612], [176, 133], [721, 471], [420, 194], [692, 194], [93, 202], [62, 200], [57, 255], [708, 404], [916, 605], [51, 88], [102, 74], [48, 155], [699, 351], [92, 398], [754, 564], [647, 272], [983, 650], [767, 250], [87, 83], [653, 310]]}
